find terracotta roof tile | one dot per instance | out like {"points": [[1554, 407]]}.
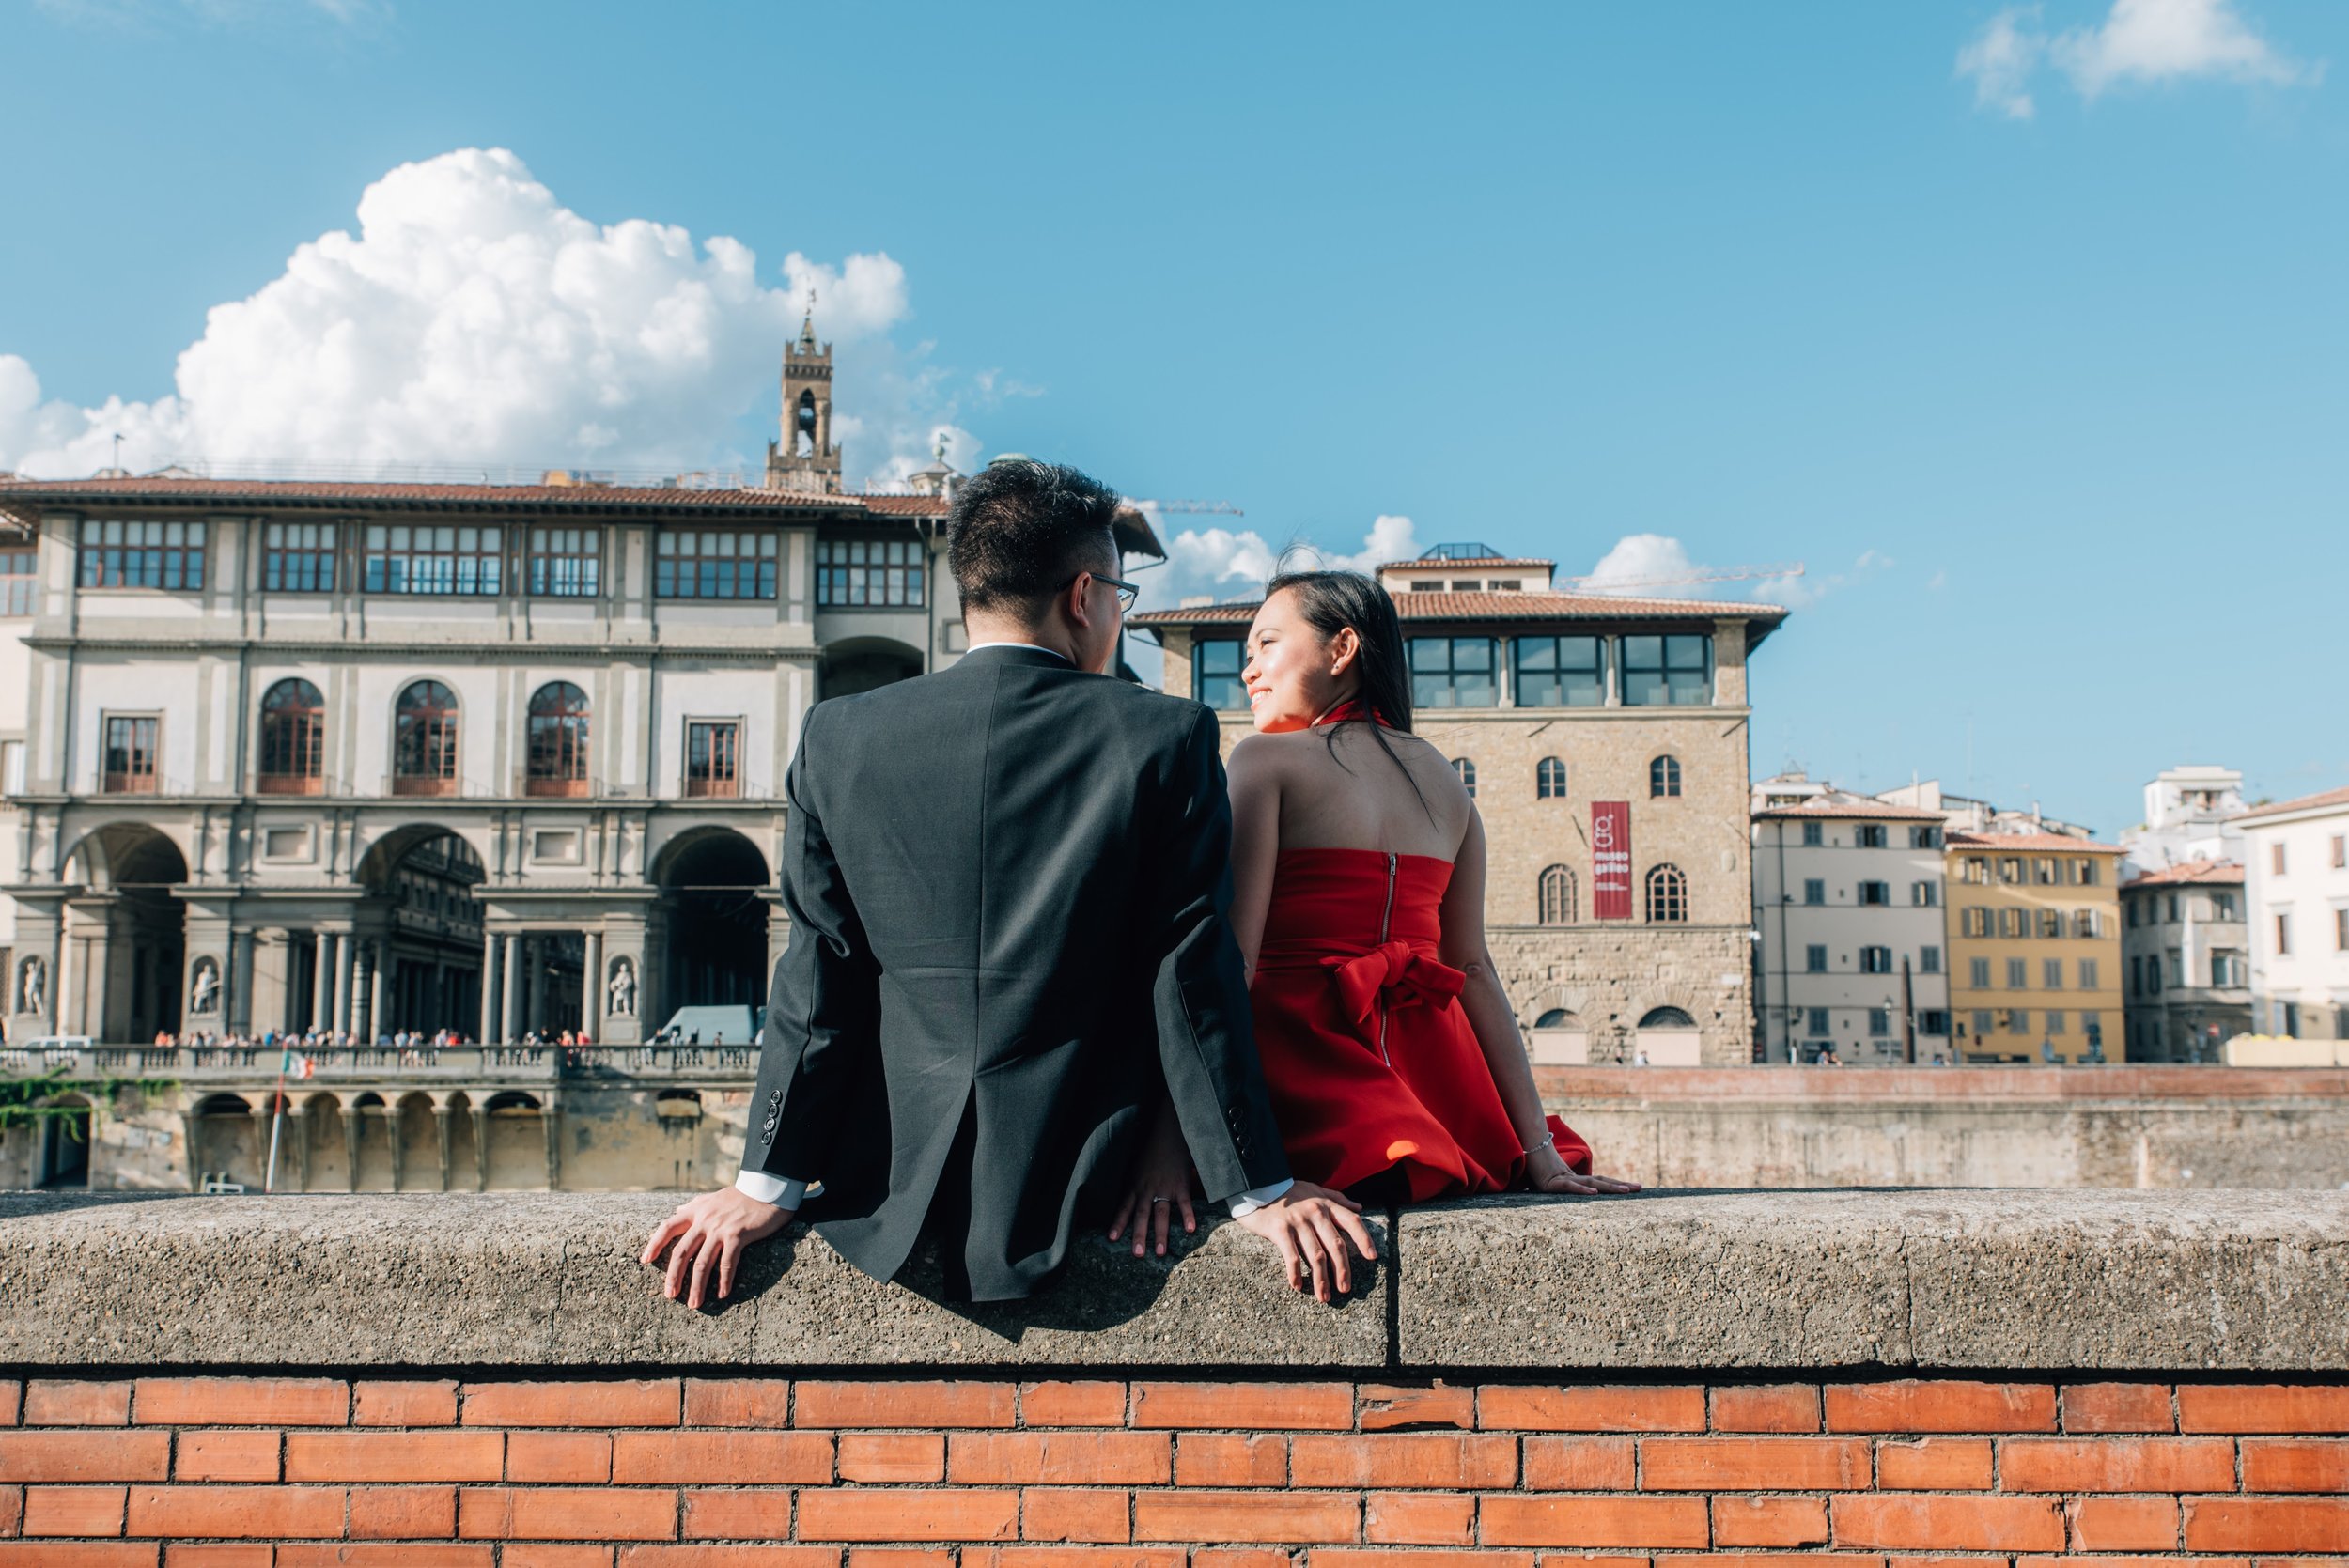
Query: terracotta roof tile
{"points": [[1423, 564], [1495, 607], [2306, 802], [585, 497], [2191, 872], [2033, 841], [1854, 811]]}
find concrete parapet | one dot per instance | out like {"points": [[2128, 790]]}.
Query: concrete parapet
{"points": [[1945, 1279]]}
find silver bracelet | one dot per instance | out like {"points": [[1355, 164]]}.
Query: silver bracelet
{"points": [[1550, 1142]]}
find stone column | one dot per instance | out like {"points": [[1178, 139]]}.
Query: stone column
{"points": [[395, 1118], [298, 1129], [235, 1002], [321, 979], [513, 986], [591, 996], [550, 1125], [481, 1148], [489, 941], [351, 1143], [345, 1004], [379, 965], [440, 1114]]}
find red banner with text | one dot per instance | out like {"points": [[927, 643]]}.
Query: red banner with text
{"points": [[1611, 859]]}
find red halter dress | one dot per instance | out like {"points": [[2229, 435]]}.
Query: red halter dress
{"points": [[1370, 1062]]}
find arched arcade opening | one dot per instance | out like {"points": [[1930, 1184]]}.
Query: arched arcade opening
{"points": [[713, 882]]}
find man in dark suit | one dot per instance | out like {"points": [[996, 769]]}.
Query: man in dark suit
{"points": [[1007, 884]]}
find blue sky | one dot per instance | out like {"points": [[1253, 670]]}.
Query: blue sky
{"points": [[2052, 404]]}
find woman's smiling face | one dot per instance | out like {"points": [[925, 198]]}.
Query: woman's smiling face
{"points": [[1294, 675]]}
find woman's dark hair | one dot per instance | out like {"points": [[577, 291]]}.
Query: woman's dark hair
{"points": [[1329, 601]]}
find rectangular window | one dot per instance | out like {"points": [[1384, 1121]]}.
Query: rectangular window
{"points": [[712, 563], [1934, 1021], [2017, 1020], [1978, 973], [2017, 975], [1814, 959], [1875, 893], [433, 559], [1215, 675], [1876, 960], [1814, 889], [566, 563], [1976, 870], [2274, 851], [2088, 975], [2137, 974], [2045, 872], [1819, 1023], [2050, 923], [1453, 672], [2055, 1021], [1879, 1021], [1984, 1021], [1929, 960], [1870, 835], [1813, 834], [713, 758], [129, 761], [1667, 672], [2087, 923], [1973, 923], [870, 573], [2283, 934], [2134, 902], [2172, 916], [2011, 869], [2052, 974], [1924, 838], [2223, 906], [2014, 923], [2225, 969], [163, 555], [2084, 873], [2340, 850], [2340, 930], [298, 557], [18, 577], [1560, 671], [1924, 896]]}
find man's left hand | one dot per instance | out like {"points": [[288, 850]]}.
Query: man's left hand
{"points": [[711, 1231]]}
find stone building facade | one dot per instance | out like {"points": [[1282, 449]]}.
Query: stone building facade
{"points": [[2034, 948], [1574, 715], [366, 758], [2296, 882], [2185, 943], [1847, 898]]}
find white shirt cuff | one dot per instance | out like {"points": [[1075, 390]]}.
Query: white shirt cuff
{"points": [[1255, 1198], [779, 1190]]}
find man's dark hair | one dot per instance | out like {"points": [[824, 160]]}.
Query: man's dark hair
{"points": [[1023, 530]]}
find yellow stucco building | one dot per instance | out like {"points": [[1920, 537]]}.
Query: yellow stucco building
{"points": [[2034, 948]]}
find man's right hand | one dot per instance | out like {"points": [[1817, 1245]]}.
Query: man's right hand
{"points": [[1311, 1226], [713, 1230]]}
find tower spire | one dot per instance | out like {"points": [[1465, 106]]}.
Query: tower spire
{"points": [[805, 458]]}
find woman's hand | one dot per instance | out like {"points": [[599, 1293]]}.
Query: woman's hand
{"points": [[1546, 1170], [1158, 1188]]}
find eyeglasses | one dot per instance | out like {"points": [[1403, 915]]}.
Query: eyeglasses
{"points": [[1126, 592]]}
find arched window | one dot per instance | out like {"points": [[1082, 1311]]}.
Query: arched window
{"points": [[1557, 901], [1467, 770], [423, 740], [1666, 1017], [293, 739], [1667, 896], [1549, 779], [1663, 778], [558, 740]]}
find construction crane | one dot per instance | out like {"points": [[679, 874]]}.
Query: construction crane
{"points": [[1215, 508], [1702, 574]]}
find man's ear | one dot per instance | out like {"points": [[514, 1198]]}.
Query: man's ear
{"points": [[1072, 601]]}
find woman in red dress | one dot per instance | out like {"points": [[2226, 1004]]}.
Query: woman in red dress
{"points": [[1358, 864]]}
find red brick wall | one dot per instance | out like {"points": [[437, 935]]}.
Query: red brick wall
{"points": [[734, 1472]]}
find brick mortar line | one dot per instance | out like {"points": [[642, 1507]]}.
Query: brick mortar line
{"points": [[1458, 1375]]}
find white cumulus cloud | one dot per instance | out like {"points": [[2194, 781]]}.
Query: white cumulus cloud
{"points": [[2138, 41], [472, 318], [1225, 563]]}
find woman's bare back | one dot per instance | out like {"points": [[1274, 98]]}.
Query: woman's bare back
{"points": [[1340, 790]]}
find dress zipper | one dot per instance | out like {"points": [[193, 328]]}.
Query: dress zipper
{"points": [[1386, 917]]}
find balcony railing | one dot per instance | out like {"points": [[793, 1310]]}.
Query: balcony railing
{"points": [[345, 1065]]}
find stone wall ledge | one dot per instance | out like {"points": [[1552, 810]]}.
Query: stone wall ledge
{"points": [[1748, 1282]]}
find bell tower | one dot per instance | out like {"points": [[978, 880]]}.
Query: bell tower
{"points": [[806, 460]]}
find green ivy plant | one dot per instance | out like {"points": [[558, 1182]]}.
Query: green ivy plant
{"points": [[23, 1101]]}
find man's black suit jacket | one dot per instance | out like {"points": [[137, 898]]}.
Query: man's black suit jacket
{"points": [[1008, 885]]}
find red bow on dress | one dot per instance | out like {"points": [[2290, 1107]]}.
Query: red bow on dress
{"points": [[1392, 971]]}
